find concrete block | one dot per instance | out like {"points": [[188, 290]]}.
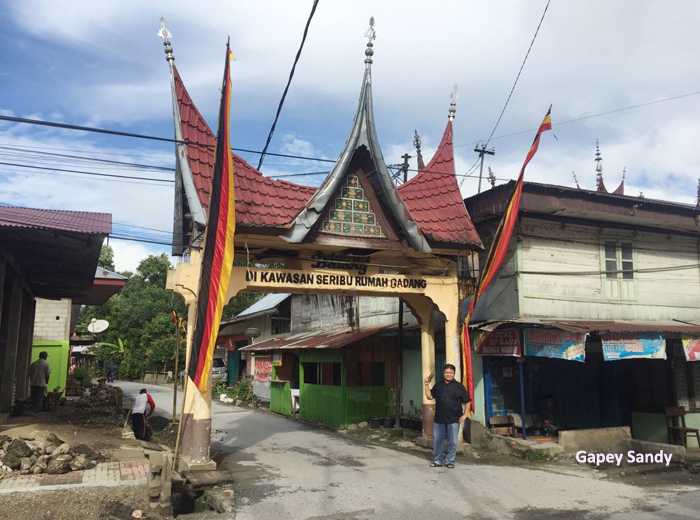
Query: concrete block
{"points": [[596, 439], [679, 453]]}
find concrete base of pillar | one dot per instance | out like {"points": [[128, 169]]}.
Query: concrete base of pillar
{"points": [[187, 465], [428, 413]]}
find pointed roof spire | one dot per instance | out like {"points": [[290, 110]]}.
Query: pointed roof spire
{"points": [[165, 35], [371, 35], [362, 139], [573, 174], [620, 190], [419, 155], [434, 200], [453, 104], [184, 180], [492, 178], [600, 185]]}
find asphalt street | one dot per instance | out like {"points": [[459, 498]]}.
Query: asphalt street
{"points": [[287, 470]]}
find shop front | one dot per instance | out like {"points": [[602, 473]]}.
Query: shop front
{"points": [[335, 378], [588, 377]]}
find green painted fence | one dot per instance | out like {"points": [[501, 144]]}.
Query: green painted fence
{"points": [[281, 397], [365, 402]]}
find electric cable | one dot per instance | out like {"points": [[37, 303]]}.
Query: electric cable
{"points": [[289, 82]]}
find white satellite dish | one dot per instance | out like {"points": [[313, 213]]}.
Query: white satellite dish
{"points": [[97, 326]]}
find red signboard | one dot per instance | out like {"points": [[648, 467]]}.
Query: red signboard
{"points": [[501, 342], [263, 369]]}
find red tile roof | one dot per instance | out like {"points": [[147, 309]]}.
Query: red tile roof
{"points": [[83, 222], [620, 190], [260, 201], [434, 201]]}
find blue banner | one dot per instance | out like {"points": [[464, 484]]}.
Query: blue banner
{"points": [[633, 346], [555, 344]]}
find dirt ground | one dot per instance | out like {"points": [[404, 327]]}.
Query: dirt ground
{"points": [[84, 504]]}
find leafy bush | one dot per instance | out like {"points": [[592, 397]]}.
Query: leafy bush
{"points": [[243, 390], [84, 375]]}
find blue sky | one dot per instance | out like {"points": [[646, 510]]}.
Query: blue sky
{"points": [[101, 64]]}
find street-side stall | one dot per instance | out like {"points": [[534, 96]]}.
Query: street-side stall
{"points": [[336, 377], [589, 376]]}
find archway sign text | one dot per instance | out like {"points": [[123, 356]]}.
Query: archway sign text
{"points": [[324, 280]]}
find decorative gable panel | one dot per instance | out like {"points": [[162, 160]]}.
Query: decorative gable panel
{"points": [[351, 213]]}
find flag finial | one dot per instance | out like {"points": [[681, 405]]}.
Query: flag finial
{"points": [[453, 103], [371, 35], [165, 35]]}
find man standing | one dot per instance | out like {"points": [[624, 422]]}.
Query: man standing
{"points": [[451, 399], [39, 373]]}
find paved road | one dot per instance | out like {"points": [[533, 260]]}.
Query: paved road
{"points": [[290, 471]]}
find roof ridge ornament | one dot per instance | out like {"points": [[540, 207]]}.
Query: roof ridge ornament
{"points": [[165, 35], [453, 102], [371, 35]]}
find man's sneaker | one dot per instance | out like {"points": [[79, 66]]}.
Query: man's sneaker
{"points": [[436, 465], [450, 465]]}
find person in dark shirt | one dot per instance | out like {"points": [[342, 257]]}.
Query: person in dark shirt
{"points": [[451, 399]]}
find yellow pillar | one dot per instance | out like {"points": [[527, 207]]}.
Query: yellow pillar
{"points": [[427, 348], [452, 343], [195, 427]]}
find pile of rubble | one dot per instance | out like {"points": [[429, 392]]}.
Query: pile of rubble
{"points": [[101, 399], [50, 455]]}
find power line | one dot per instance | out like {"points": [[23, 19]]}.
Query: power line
{"points": [[599, 114], [82, 172], [289, 82], [67, 126], [142, 227], [510, 94], [92, 159], [517, 77]]}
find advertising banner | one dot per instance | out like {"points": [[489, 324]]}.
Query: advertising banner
{"points": [[555, 344], [691, 348], [633, 346], [501, 342], [263, 369]]}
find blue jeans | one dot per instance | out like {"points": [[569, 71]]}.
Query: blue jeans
{"points": [[442, 433]]}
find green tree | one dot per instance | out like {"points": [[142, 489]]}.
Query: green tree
{"points": [[106, 260], [139, 318]]}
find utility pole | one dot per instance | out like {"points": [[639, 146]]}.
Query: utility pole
{"points": [[404, 166], [399, 339], [482, 150]]}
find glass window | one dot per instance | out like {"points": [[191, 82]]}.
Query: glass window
{"points": [[611, 259], [627, 262], [377, 374], [310, 373], [330, 374]]}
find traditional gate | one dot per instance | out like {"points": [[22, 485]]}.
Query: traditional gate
{"points": [[356, 234]]}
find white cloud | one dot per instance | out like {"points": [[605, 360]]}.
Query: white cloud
{"points": [[128, 255]]}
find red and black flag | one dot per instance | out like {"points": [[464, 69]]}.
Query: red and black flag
{"points": [[217, 261], [498, 251]]}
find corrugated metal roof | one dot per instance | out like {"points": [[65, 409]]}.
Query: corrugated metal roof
{"points": [[334, 339], [61, 220], [267, 303], [600, 326]]}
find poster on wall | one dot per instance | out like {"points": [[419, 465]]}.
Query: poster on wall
{"points": [[633, 346], [691, 348], [263, 369], [555, 344], [276, 359], [501, 342]]}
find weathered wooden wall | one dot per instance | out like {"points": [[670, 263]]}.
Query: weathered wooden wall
{"points": [[544, 246]]}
